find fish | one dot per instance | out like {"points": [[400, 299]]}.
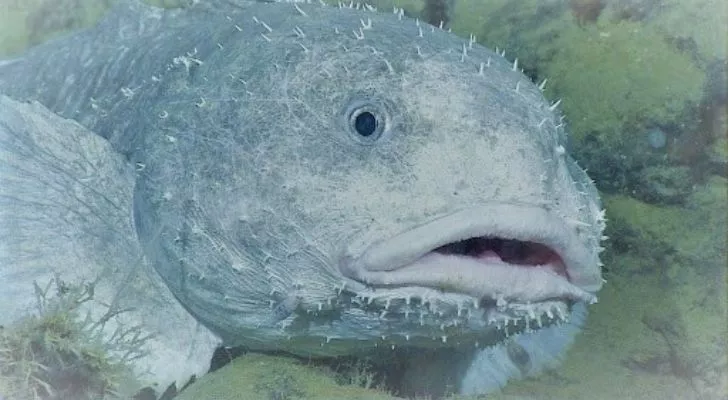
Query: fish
{"points": [[326, 180]]}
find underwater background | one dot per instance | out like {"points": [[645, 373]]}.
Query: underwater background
{"points": [[644, 90]]}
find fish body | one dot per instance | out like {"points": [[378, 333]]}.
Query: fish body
{"points": [[324, 180]]}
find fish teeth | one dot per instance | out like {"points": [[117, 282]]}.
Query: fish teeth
{"points": [[500, 302], [561, 314]]}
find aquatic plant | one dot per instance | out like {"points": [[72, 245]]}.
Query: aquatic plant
{"points": [[60, 353]]}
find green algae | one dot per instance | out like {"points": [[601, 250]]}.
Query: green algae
{"points": [[524, 29], [695, 231], [257, 376], [25, 23], [58, 353], [718, 152], [618, 79], [700, 22]]}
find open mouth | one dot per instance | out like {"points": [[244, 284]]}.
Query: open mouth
{"points": [[514, 252], [503, 252]]}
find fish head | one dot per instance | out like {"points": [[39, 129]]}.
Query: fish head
{"points": [[365, 181]]}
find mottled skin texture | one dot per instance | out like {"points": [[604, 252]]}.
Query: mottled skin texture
{"points": [[255, 194]]}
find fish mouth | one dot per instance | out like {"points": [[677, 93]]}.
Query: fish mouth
{"points": [[502, 252]]}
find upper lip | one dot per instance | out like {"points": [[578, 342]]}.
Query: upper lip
{"points": [[426, 255]]}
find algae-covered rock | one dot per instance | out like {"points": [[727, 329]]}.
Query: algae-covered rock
{"points": [[695, 232], [618, 78], [688, 316], [664, 184], [700, 22], [617, 81], [257, 376], [718, 153]]}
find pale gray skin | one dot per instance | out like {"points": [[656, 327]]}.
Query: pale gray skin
{"points": [[65, 201], [276, 224]]}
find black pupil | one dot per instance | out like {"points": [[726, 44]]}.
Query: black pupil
{"points": [[365, 123]]}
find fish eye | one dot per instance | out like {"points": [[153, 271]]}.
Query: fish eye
{"points": [[366, 122]]}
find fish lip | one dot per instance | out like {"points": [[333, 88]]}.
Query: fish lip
{"points": [[388, 261]]}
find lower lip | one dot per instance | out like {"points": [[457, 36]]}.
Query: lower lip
{"points": [[556, 265]]}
